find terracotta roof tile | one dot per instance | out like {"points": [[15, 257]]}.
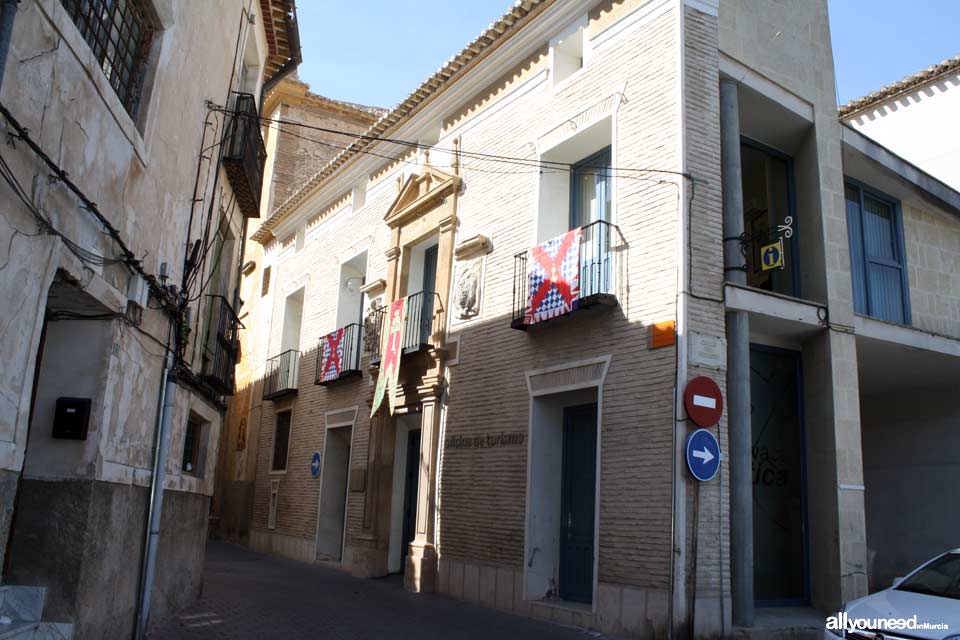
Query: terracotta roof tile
{"points": [[950, 65], [510, 21]]}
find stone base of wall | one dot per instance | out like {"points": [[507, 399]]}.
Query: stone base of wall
{"points": [[8, 493], [83, 540], [621, 610], [236, 513], [303, 549]]}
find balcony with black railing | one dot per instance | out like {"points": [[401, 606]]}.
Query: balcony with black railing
{"points": [[545, 285], [338, 354], [220, 351], [281, 375], [424, 314], [244, 154]]}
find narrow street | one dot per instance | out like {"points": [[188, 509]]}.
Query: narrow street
{"points": [[253, 595]]}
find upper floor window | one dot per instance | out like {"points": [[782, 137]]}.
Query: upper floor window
{"points": [[877, 263], [768, 206], [567, 51], [583, 195], [119, 33], [265, 283], [281, 442], [194, 449], [590, 190]]}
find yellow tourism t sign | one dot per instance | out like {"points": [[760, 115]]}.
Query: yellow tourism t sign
{"points": [[771, 256], [390, 364]]}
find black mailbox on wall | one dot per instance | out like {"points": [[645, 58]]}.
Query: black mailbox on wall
{"points": [[71, 419]]}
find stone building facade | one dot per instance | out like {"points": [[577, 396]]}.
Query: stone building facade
{"points": [[294, 153], [132, 161], [729, 226]]}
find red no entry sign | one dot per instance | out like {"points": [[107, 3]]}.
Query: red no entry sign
{"points": [[703, 401]]}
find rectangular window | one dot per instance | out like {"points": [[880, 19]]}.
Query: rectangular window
{"points": [[265, 284], [119, 33], [590, 208], [281, 442], [877, 263], [768, 206], [567, 51], [590, 190], [192, 461]]}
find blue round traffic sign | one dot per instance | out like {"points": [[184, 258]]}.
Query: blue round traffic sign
{"points": [[315, 464], [703, 455]]}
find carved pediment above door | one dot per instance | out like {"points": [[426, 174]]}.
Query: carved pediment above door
{"points": [[421, 193]]}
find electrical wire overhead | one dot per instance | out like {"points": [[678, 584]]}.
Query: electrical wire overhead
{"points": [[462, 153]]}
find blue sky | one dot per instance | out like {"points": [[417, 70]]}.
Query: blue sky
{"points": [[368, 58]]}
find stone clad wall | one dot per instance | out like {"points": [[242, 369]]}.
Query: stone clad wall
{"points": [[932, 240], [141, 173]]}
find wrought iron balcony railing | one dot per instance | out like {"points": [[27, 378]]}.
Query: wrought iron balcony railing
{"points": [[601, 256], [423, 309], [281, 375], [244, 154], [220, 350], [338, 355], [424, 315]]}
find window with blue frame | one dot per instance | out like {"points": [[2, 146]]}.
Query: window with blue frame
{"points": [[877, 262], [590, 208]]}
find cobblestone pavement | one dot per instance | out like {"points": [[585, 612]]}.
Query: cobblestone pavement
{"points": [[253, 595]]}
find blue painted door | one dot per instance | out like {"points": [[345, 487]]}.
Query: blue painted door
{"points": [[411, 485], [577, 502]]}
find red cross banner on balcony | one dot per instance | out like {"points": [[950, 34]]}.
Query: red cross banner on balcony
{"points": [[331, 356], [390, 364], [553, 277]]}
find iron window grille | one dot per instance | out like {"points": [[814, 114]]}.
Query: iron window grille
{"points": [[119, 33]]}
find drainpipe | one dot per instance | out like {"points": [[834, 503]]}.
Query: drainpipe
{"points": [[6, 32], [678, 604], [738, 364], [168, 390]]}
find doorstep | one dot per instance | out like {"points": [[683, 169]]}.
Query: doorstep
{"points": [[783, 623], [575, 614]]}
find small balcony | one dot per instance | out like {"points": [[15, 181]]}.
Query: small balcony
{"points": [[424, 313], [541, 289], [281, 375], [244, 154], [220, 352], [338, 355]]}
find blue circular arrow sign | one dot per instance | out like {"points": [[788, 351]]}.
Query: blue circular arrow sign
{"points": [[315, 464], [703, 455]]}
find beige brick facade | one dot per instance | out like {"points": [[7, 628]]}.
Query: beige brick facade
{"points": [[650, 84]]}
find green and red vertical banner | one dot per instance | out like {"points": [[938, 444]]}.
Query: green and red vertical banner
{"points": [[390, 364]]}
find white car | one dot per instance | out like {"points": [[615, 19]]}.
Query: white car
{"points": [[924, 605]]}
